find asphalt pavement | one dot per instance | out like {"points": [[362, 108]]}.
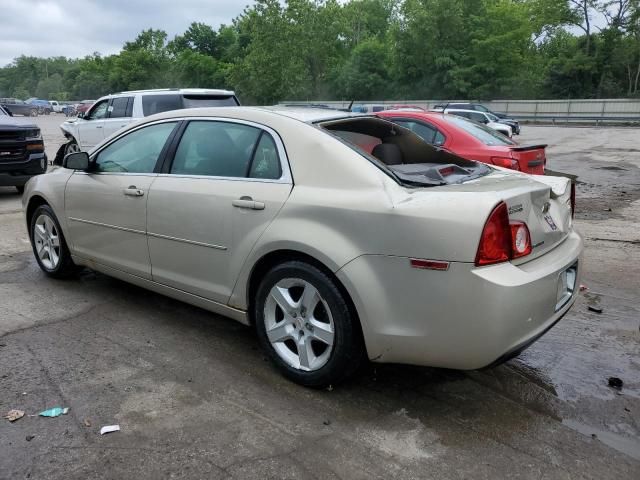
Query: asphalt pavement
{"points": [[196, 398]]}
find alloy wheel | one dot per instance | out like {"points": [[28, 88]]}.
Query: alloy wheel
{"points": [[47, 242], [299, 324]]}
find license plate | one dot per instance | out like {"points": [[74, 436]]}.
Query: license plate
{"points": [[566, 286]]}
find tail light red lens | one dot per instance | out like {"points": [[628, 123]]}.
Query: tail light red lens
{"points": [[506, 162], [520, 239], [495, 242], [502, 240]]}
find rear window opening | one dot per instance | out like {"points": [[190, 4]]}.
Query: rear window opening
{"points": [[152, 104], [403, 154]]}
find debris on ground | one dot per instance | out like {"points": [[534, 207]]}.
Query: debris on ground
{"points": [[615, 382], [13, 415], [109, 429], [54, 412], [327, 422], [583, 287], [594, 309], [87, 422], [28, 438]]}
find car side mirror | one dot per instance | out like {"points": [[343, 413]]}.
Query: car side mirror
{"points": [[80, 115], [76, 161]]}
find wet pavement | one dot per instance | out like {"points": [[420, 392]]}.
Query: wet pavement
{"points": [[195, 397]]}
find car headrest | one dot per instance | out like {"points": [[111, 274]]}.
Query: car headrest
{"points": [[388, 153]]}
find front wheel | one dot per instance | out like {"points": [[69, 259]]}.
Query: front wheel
{"points": [[305, 325], [71, 147], [49, 245], [33, 112]]}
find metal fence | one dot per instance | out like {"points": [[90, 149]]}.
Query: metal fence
{"points": [[548, 111]]}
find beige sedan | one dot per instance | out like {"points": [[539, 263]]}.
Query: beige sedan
{"points": [[341, 237]]}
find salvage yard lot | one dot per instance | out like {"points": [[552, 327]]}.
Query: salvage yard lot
{"points": [[196, 398]]}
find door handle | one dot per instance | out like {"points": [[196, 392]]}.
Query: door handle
{"points": [[248, 202], [98, 126], [133, 191]]}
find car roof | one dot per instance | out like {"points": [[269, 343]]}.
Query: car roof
{"points": [[302, 114], [167, 91]]}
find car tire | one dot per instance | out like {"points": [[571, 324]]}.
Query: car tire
{"points": [[49, 245], [315, 340], [71, 147], [20, 189], [33, 112]]}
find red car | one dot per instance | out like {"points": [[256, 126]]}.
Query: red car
{"points": [[471, 140]]}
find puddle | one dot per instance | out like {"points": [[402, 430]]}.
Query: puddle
{"points": [[621, 443]]}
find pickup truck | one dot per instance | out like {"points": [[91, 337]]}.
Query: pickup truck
{"points": [[18, 107], [21, 151]]}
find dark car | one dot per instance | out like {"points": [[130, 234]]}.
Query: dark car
{"points": [[504, 118], [44, 107], [21, 151], [18, 107]]}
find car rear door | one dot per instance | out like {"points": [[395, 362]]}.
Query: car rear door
{"points": [[223, 183], [118, 115], [106, 207]]}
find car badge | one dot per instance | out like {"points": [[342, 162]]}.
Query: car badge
{"points": [[545, 207]]}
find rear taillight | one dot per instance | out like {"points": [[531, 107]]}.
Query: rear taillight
{"points": [[506, 162], [502, 240], [573, 199], [520, 239]]}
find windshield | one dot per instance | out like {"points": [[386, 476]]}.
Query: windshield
{"points": [[492, 117], [486, 135]]}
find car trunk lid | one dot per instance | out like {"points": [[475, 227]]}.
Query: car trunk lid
{"points": [[531, 158]]}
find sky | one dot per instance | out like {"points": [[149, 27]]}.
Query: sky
{"points": [[75, 28]]}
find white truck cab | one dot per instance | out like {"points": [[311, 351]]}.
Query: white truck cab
{"points": [[113, 112]]}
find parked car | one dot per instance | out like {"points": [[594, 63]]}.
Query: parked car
{"points": [[487, 119], [18, 107], [384, 247], [405, 107], [83, 106], [21, 151], [113, 112], [44, 107], [471, 140], [69, 110], [56, 106], [504, 118]]}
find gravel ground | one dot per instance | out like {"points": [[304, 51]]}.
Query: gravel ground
{"points": [[195, 398]]}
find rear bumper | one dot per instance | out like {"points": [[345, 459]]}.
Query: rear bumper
{"points": [[16, 174], [465, 317]]}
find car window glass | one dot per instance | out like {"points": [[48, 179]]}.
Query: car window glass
{"points": [[439, 139], [265, 163], [219, 149], [477, 117], [424, 131], [198, 101], [160, 103], [119, 107], [481, 108], [485, 134], [99, 111], [136, 152]]}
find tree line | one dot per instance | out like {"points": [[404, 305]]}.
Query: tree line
{"points": [[369, 49]]}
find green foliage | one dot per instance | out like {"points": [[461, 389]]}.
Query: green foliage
{"points": [[368, 49]]}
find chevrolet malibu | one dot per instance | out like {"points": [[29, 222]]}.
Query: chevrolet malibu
{"points": [[339, 236]]}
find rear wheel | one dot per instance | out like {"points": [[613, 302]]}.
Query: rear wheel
{"points": [[49, 245], [33, 112], [305, 325]]}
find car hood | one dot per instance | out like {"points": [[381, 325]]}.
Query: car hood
{"points": [[13, 122]]}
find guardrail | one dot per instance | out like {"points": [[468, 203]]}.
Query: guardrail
{"points": [[586, 111]]}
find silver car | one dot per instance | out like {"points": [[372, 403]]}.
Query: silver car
{"points": [[339, 236]]}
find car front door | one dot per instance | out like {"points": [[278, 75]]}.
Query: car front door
{"points": [[106, 207], [118, 115], [222, 185], [91, 126]]}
